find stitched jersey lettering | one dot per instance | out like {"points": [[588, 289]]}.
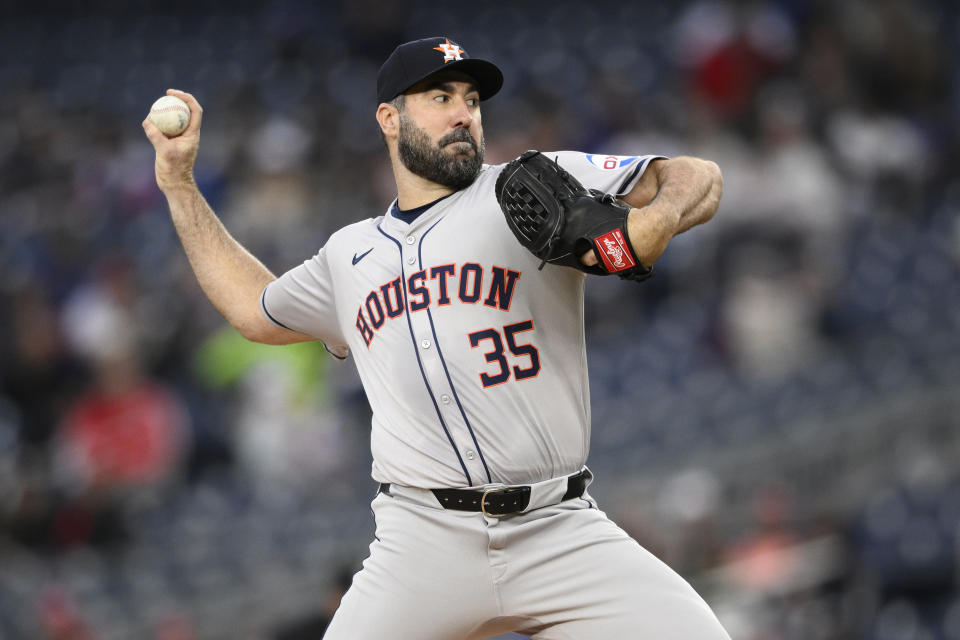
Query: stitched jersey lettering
{"points": [[393, 290], [433, 286]]}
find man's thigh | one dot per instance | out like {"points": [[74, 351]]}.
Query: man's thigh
{"points": [[581, 577], [427, 577]]}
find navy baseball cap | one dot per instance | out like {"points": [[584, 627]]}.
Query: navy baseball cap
{"points": [[413, 61]]}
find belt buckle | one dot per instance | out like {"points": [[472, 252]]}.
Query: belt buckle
{"points": [[483, 502]]}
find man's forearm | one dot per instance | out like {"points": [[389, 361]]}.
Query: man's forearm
{"points": [[230, 276], [688, 194]]}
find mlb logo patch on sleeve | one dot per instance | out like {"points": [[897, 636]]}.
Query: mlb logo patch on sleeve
{"points": [[610, 163]]}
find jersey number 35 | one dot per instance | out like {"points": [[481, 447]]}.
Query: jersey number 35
{"points": [[497, 356]]}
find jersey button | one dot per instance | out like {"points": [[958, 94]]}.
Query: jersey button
{"points": [[411, 260], [470, 454], [411, 239], [425, 343], [445, 399]]}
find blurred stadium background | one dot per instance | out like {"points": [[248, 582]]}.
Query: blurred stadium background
{"points": [[775, 413]]}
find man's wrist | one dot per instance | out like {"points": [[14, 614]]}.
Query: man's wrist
{"points": [[176, 188], [650, 229], [655, 217]]}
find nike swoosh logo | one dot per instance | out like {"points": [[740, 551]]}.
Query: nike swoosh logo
{"points": [[358, 258]]}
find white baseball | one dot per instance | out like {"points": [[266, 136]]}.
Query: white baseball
{"points": [[171, 115]]}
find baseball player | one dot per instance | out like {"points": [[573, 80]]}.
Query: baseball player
{"points": [[471, 351]]}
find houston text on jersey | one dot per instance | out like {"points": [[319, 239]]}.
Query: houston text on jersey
{"points": [[440, 285]]}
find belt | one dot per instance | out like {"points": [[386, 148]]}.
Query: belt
{"points": [[503, 500]]}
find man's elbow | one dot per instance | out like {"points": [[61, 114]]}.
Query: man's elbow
{"points": [[259, 330], [716, 187], [250, 331], [715, 172], [255, 329]]}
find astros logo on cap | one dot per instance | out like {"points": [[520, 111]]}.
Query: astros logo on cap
{"points": [[450, 51]]}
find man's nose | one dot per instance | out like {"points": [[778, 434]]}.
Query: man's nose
{"points": [[461, 114]]}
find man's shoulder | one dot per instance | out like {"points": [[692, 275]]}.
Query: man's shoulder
{"points": [[366, 227], [565, 153], [352, 237]]}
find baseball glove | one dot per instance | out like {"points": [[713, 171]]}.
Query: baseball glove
{"points": [[558, 220]]}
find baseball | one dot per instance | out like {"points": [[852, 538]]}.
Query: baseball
{"points": [[171, 115]]}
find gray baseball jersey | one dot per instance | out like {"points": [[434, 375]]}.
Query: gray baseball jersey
{"points": [[473, 360]]}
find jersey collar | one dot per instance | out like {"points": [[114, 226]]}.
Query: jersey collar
{"points": [[409, 215]]}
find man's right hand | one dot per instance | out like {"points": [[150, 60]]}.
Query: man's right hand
{"points": [[175, 156]]}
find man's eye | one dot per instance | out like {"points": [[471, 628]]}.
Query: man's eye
{"points": [[441, 98], [473, 102]]}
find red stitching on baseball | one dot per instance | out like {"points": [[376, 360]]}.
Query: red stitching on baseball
{"points": [[164, 109]]}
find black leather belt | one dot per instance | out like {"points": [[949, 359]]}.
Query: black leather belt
{"points": [[499, 501]]}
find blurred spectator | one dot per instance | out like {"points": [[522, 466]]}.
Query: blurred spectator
{"points": [[126, 432], [761, 559], [39, 373], [730, 50], [769, 324], [286, 432], [60, 618], [688, 503], [124, 435]]}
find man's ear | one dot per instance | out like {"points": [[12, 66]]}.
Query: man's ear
{"points": [[389, 119]]}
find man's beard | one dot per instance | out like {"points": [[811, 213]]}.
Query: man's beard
{"points": [[428, 160]]}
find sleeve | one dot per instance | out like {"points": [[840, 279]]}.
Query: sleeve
{"points": [[303, 300], [610, 174]]}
